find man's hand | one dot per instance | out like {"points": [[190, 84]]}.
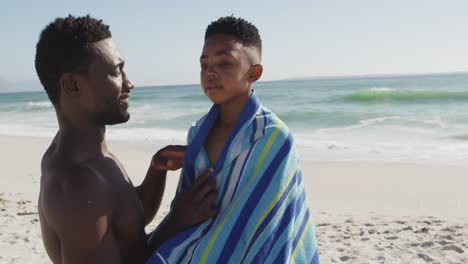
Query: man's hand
{"points": [[191, 208], [196, 205], [152, 188], [168, 158]]}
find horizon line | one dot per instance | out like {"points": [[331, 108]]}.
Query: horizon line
{"points": [[335, 77], [305, 78], [373, 75]]}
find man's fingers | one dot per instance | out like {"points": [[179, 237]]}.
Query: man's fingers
{"points": [[201, 179], [207, 205], [159, 163], [204, 190], [207, 210], [175, 147], [170, 165], [173, 165], [169, 158], [209, 199], [173, 152], [212, 212]]}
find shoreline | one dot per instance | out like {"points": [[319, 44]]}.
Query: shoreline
{"points": [[310, 151], [382, 187]]}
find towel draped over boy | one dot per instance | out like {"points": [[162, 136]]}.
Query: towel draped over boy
{"points": [[263, 216]]}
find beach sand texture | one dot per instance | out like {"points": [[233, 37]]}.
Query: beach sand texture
{"points": [[363, 212]]}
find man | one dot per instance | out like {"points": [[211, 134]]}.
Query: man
{"points": [[90, 212]]}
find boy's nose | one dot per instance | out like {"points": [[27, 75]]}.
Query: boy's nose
{"points": [[211, 75], [211, 72]]}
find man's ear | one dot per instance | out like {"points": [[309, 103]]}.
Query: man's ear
{"points": [[256, 71], [69, 84]]}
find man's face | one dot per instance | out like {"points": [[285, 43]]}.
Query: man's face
{"points": [[225, 68], [106, 86]]}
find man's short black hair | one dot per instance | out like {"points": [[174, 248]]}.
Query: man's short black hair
{"points": [[62, 48], [245, 31]]}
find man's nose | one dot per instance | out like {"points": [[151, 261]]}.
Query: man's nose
{"points": [[128, 84]]}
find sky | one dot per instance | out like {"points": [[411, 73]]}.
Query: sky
{"points": [[162, 40]]}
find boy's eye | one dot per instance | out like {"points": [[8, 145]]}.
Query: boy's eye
{"points": [[204, 66], [224, 63]]}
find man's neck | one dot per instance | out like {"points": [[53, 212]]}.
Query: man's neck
{"points": [[82, 142]]}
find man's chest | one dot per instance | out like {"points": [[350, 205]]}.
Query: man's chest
{"points": [[127, 212]]}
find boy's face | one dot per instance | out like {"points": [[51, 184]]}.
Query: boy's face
{"points": [[225, 72]]}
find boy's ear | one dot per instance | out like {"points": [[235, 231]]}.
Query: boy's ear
{"points": [[69, 84], [256, 71]]}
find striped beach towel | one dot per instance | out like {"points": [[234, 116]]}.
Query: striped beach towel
{"points": [[263, 215]]}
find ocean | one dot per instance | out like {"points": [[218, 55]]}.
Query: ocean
{"points": [[391, 118]]}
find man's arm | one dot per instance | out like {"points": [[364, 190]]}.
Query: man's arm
{"points": [[151, 190], [193, 207], [79, 209]]}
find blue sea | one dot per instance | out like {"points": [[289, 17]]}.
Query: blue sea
{"points": [[392, 118]]}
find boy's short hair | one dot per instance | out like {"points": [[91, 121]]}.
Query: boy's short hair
{"points": [[62, 48], [245, 31]]}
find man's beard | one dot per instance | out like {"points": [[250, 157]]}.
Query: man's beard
{"points": [[111, 117]]}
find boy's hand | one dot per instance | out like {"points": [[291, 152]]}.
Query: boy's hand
{"points": [[196, 205], [168, 158]]}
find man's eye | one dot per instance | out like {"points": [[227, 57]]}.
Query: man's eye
{"points": [[204, 66], [117, 72]]}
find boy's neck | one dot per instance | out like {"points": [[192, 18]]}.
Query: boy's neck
{"points": [[230, 112]]}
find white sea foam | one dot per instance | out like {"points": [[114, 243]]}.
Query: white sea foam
{"points": [[148, 134], [168, 136], [435, 121], [381, 89], [38, 105]]}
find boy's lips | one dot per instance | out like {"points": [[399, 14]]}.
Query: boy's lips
{"points": [[212, 87]]}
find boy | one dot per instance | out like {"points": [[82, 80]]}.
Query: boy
{"points": [[263, 216]]}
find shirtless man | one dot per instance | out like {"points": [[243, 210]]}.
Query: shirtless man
{"points": [[90, 212]]}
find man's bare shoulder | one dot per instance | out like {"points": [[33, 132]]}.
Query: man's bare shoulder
{"points": [[71, 189], [76, 204]]}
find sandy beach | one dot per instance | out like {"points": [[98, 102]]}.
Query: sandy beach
{"points": [[364, 212]]}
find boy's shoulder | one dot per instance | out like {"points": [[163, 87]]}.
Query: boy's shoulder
{"points": [[265, 122], [271, 122], [197, 124], [195, 127]]}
